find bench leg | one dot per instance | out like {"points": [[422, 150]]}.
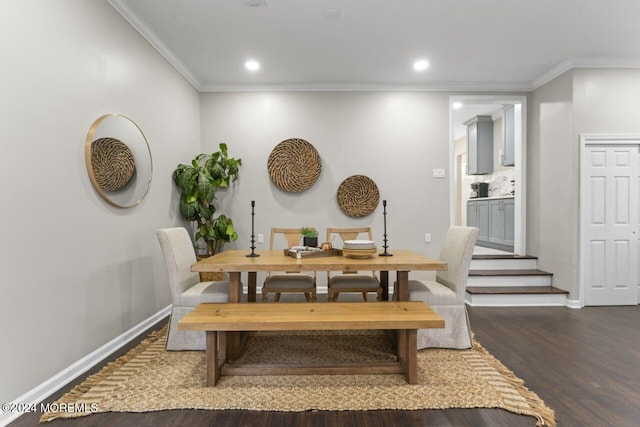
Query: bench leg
{"points": [[401, 346], [213, 368], [411, 356], [235, 295], [407, 347], [222, 348]]}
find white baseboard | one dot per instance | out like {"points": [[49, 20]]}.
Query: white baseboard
{"points": [[573, 303], [64, 377]]}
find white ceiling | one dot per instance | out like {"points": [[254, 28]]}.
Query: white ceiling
{"points": [[471, 45], [491, 45]]}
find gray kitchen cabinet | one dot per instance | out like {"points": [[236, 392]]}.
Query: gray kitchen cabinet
{"points": [[497, 231], [479, 145], [478, 216], [509, 222], [495, 220], [508, 136]]}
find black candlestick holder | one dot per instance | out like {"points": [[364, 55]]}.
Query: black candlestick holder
{"points": [[253, 236], [385, 246]]}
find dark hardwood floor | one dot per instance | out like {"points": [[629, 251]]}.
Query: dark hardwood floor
{"points": [[585, 364]]}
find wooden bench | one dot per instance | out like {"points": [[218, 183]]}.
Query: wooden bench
{"points": [[219, 318]]}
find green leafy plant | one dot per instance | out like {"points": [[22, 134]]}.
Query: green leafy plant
{"points": [[310, 236], [198, 183], [308, 232]]}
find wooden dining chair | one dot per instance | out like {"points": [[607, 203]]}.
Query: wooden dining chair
{"points": [[288, 282], [351, 281]]}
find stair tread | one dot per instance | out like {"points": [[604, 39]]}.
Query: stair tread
{"points": [[505, 256], [509, 273], [511, 290]]}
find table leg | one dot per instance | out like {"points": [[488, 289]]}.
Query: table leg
{"points": [[235, 295], [251, 286], [384, 282], [402, 294], [402, 286], [222, 348], [213, 368], [411, 356], [235, 287]]}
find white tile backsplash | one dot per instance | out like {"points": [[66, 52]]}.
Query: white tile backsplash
{"points": [[501, 183]]}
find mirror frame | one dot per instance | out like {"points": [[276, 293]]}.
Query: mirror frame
{"points": [[87, 156]]}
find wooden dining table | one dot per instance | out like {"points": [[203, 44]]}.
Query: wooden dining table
{"points": [[235, 262]]}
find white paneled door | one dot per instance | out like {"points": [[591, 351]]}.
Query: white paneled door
{"points": [[610, 213]]}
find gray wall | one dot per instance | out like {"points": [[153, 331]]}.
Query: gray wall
{"points": [[578, 102], [396, 139], [77, 272], [550, 167]]}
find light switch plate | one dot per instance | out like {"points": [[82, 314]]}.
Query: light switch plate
{"points": [[438, 173], [260, 238]]}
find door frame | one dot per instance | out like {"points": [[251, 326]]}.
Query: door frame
{"points": [[588, 139], [520, 168]]}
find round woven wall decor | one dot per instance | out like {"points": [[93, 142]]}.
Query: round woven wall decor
{"points": [[294, 165], [358, 196], [112, 162]]}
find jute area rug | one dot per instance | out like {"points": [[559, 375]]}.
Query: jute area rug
{"points": [[149, 378]]}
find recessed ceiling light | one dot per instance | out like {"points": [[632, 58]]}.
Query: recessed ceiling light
{"points": [[420, 65], [252, 65], [457, 105]]}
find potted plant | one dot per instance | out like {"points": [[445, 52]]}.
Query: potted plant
{"points": [[198, 183], [310, 237]]}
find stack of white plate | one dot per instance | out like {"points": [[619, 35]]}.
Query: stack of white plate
{"points": [[359, 248], [359, 244]]}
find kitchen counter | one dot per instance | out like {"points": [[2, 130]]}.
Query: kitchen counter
{"points": [[491, 198]]}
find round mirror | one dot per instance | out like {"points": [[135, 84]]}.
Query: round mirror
{"points": [[118, 160]]}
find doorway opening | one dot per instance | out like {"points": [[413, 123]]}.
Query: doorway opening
{"points": [[503, 178]]}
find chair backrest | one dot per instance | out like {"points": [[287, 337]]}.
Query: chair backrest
{"points": [[292, 235], [457, 250], [349, 234], [179, 255]]}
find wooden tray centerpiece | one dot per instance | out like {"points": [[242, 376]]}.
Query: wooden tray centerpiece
{"points": [[300, 252]]}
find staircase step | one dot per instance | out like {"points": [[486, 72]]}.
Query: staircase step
{"points": [[503, 262], [526, 272], [501, 290], [524, 277], [513, 296], [502, 256]]}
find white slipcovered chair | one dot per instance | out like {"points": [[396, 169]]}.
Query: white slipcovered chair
{"points": [[187, 291], [446, 294]]}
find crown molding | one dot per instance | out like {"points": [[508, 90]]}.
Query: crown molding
{"points": [[583, 62], [557, 71], [370, 87], [123, 8]]}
